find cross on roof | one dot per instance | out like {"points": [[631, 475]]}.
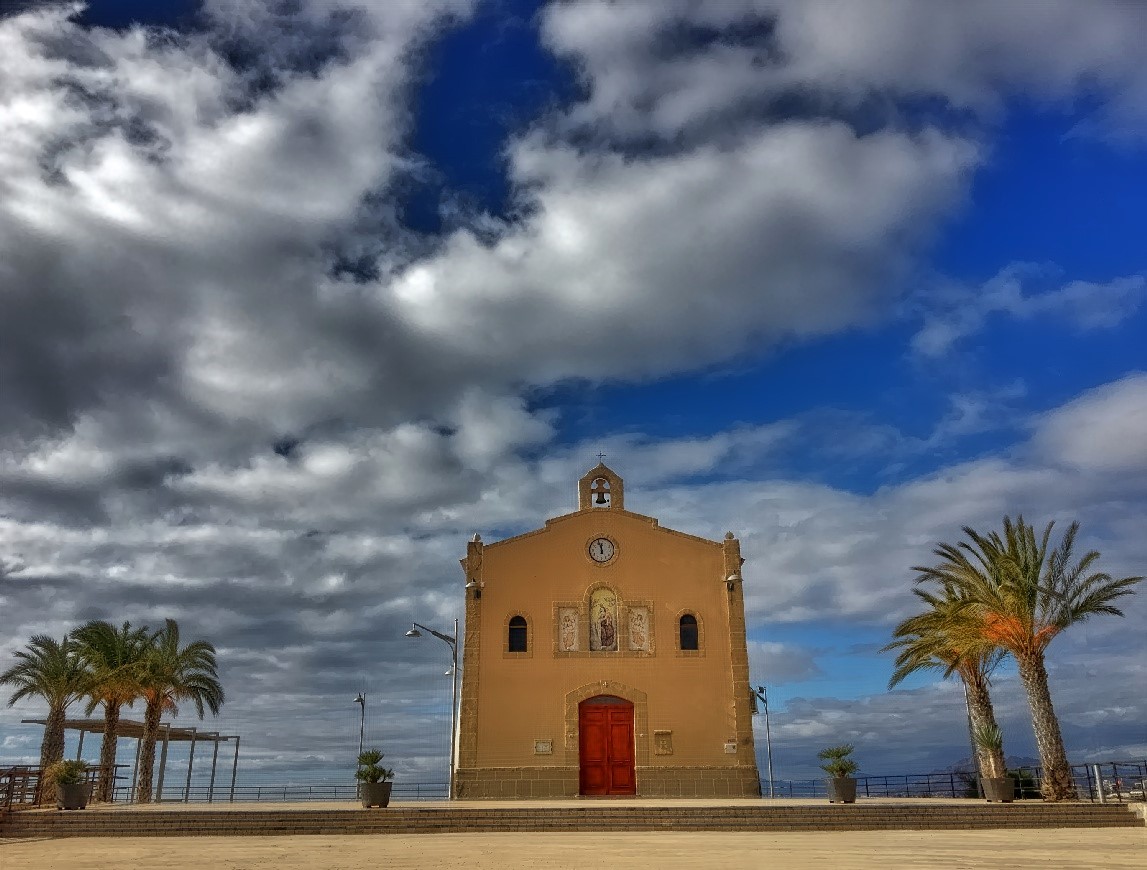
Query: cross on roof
{"points": [[601, 456]]}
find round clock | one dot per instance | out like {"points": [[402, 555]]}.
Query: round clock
{"points": [[601, 549]]}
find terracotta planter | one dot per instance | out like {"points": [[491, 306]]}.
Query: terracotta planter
{"points": [[375, 794], [73, 796], [841, 789], [1001, 789]]}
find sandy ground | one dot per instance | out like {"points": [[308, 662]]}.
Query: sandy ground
{"points": [[1110, 849]]}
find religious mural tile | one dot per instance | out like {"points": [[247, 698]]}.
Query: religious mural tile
{"points": [[639, 629], [603, 621], [567, 629]]}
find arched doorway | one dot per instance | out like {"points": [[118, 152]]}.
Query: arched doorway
{"points": [[605, 746]]}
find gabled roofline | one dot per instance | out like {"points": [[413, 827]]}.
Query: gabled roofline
{"points": [[653, 521]]}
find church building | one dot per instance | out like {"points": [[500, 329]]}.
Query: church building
{"points": [[605, 656]]}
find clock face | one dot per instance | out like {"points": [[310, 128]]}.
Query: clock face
{"points": [[601, 549]]}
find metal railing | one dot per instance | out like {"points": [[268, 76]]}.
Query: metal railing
{"points": [[1118, 781], [22, 786], [19, 787], [291, 792]]}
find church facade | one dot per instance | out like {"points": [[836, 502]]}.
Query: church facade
{"points": [[605, 656]]}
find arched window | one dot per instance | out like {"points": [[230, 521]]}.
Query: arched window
{"points": [[689, 632], [517, 639]]}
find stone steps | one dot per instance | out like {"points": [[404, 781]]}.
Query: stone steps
{"points": [[96, 822], [442, 820]]}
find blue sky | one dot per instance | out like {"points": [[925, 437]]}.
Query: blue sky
{"points": [[840, 281]]}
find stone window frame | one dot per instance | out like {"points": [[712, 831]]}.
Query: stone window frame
{"points": [[529, 653], [689, 653]]}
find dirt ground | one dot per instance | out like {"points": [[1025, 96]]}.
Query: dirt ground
{"points": [[1110, 849]]}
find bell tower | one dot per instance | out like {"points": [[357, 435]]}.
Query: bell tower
{"points": [[600, 489]]}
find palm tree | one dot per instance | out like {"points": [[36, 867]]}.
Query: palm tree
{"points": [[113, 657], [51, 670], [1020, 595], [168, 675], [929, 641]]}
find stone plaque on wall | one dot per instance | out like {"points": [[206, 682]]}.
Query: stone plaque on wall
{"points": [[662, 742]]}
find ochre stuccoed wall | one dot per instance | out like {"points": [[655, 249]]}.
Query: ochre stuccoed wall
{"points": [[510, 701]]}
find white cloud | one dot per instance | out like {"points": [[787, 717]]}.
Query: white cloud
{"points": [[789, 233], [1104, 430], [226, 200], [646, 74], [954, 313], [778, 663]]}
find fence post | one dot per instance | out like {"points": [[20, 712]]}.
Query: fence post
{"points": [[1099, 784]]}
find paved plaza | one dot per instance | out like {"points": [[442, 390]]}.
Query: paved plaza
{"points": [[1109, 849]]}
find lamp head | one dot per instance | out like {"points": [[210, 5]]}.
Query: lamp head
{"points": [[414, 632], [360, 698]]}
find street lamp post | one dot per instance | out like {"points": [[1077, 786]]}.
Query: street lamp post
{"points": [[763, 694], [360, 699], [452, 642]]}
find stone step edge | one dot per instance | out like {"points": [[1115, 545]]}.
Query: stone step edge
{"points": [[587, 830]]}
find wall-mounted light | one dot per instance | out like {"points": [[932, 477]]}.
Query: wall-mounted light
{"points": [[477, 586], [732, 580]]}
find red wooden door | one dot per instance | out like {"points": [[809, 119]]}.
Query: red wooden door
{"points": [[605, 739]]}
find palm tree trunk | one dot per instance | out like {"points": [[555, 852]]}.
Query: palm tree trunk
{"points": [[147, 751], [983, 715], [52, 747], [108, 752], [1057, 782]]}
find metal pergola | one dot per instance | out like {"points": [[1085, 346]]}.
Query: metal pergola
{"points": [[168, 734]]}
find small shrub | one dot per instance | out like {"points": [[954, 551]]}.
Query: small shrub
{"points": [[66, 772], [369, 769], [990, 739], [836, 760]]}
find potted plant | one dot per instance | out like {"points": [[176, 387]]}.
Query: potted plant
{"points": [[838, 766], [998, 786], [375, 779], [70, 779]]}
